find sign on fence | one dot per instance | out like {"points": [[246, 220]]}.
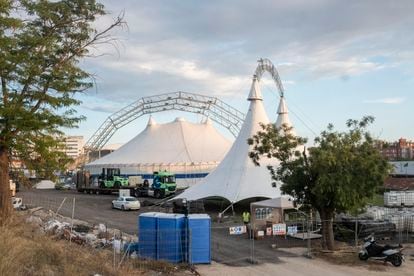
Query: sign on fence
{"points": [[268, 231], [292, 230], [279, 229], [237, 230]]}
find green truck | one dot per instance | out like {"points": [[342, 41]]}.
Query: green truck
{"points": [[111, 178], [163, 184], [110, 181]]}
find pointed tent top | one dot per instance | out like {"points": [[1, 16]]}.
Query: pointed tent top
{"points": [[255, 92], [234, 177], [283, 117], [151, 122], [282, 106]]}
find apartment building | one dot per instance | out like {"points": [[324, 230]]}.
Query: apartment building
{"points": [[74, 146], [403, 149]]}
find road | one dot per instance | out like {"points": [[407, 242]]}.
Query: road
{"points": [[94, 209]]}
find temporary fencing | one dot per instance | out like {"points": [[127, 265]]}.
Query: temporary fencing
{"points": [[233, 243]]}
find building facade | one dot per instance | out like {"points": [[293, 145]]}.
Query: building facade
{"points": [[74, 146], [403, 149]]}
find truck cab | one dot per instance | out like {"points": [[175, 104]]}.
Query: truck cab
{"points": [[163, 184]]}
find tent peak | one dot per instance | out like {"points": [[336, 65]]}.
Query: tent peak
{"points": [[282, 106], [283, 115], [255, 92]]}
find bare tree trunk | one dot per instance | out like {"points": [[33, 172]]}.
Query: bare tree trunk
{"points": [[5, 195], [328, 241]]}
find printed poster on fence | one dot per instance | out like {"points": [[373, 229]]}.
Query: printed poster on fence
{"points": [[279, 229], [268, 231], [292, 230], [237, 230]]}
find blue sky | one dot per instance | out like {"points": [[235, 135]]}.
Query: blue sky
{"points": [[337, 60]]}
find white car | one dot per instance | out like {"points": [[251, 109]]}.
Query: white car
{"points": [[126, 203]]}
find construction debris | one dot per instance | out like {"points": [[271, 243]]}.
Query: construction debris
{"points": [[83, 233]]}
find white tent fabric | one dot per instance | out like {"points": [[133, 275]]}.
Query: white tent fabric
{"points": [[189, 150], [278, 202], [45, 184], [237, 178], [282, 111], [176, 142]]}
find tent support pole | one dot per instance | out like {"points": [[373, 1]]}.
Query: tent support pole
{"points": [[228, 207]]}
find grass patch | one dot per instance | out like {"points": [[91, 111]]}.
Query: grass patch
{"points": [[377, 200]]}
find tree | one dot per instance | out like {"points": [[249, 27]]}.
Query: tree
{"points": [[339, 174], [41, 45]]}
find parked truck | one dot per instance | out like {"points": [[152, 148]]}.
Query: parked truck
{"points": [[163, 184], [108, 182], [111, 181]]}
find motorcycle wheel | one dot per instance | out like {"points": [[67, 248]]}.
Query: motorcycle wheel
{"points": [[363, 256], [396, 260]]}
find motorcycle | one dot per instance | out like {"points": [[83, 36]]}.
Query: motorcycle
{"points": [[386, 253]]}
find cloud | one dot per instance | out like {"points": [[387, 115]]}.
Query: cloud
{"points": [[212, 47], [99, 105], [396, 100]]}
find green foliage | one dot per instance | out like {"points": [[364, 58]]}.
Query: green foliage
{"points": [[340, 173], [41, 45]]}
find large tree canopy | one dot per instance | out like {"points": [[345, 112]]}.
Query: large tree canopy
{"points": [[338, 174], [41, 45]]}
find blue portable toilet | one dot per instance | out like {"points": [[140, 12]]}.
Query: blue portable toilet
{"points": [[199, 239], [147, 233], [171, 237]]}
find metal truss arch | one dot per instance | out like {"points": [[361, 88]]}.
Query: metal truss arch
{"points": [[211, 107], [265, 65]]}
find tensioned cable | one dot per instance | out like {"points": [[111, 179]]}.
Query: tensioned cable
{"points": [[294, 113]]}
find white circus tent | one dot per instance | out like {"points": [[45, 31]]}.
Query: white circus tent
{"points": [[237, 178], [190, 150]]}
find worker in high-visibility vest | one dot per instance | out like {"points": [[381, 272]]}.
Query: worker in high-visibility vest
{"points": [[246, 218]]}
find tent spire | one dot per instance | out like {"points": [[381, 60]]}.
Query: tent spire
{"points": [[255, 92], [282, 111], [237, 177]]}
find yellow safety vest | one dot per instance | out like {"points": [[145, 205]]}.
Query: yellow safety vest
{"points": [[246, 216]]}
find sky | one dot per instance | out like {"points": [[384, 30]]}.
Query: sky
{"points": [[337, 60]]}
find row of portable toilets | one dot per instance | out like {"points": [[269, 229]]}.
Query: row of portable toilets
{"points": [[399, 198], [402, 218], [174, 238]]}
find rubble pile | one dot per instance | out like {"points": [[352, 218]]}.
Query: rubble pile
{"points": [[80, 232]]}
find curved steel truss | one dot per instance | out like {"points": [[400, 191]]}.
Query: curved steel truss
{"points": [[211, 107], [218, 111], [266, 65]]}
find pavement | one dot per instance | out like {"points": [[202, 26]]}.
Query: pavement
{"points": [[231, 254], [306, 267]]}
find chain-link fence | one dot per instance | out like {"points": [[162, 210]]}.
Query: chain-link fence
{"points": [[230, 242]]}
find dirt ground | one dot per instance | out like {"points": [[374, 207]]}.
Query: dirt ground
{"points": [[230, 254]]}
